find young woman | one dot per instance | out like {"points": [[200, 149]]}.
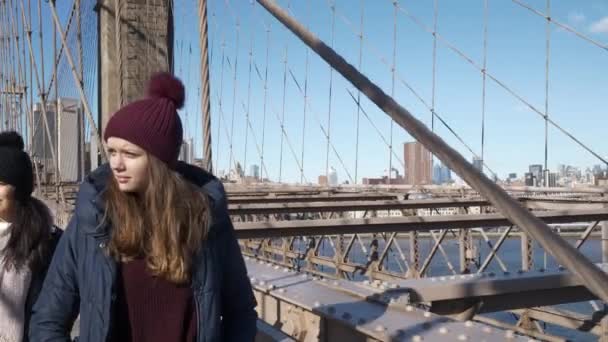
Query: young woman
{"points": [[27, 239], [150, 254]]}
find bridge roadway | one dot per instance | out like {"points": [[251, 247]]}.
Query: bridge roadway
{"points": [[267, 229], [314, 309]]}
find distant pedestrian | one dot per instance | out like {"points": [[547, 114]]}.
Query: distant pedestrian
{"points": [[27, 239]]}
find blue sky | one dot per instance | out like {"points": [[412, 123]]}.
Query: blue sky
{"points": [[515, 56]]}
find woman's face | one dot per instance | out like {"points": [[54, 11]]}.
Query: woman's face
{"points": [[7, 201], [129, 164]]}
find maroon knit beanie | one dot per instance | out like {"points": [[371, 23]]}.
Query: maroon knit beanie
{"points": [[152, 123]]}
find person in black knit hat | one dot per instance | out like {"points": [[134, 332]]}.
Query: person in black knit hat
{"points": [[27, 239]]}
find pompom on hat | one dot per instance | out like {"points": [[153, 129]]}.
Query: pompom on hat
{"points": [[15, 165], [153, 123]]}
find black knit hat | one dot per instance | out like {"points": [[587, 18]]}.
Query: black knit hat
{"points": [[15, 165]]}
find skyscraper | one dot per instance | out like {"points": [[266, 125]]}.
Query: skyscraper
{"points": [[65, 127], [437, 174], [186, 153], [70, 151], [254, 171], [332, 177], [537, 171], [417, 164], [41, 146]]}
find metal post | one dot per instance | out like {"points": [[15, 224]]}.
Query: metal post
{"points": [[206, 93], [414, 255], [526, 252], [462, 249], [589, 274], [605, 242]]}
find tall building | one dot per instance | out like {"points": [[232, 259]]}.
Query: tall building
{"points": [[552, 180], [437, 174], [66, 140], [70, 141], [417, 164], [530, 179], [322, 180], [446, 174], [441, 174], [254, 171], [537, 171], [186, 153], [332, 178], [41, 146]]}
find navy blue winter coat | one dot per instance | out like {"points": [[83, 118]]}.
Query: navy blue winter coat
{"points": [[82, 277]]}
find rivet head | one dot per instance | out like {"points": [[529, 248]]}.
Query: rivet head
{"points": [[468, 324], [277, 267], [271, 287], [442, 278], [462, 337], [417, 338], [453, 278], [409, 308], [262, 283], [247, 258], [285, 270], [346, 316], [252, 279], [510, 334], [282, 290], [336, 283], [506, 273], [379, 328], [316, 304], [331, 310], [427, 314], [443, 330], [487, 330], [426, 325], [361, 321], [366, 282]]}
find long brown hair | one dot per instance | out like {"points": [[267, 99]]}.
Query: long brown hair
{"points": [[166, 224], [30, 242]]}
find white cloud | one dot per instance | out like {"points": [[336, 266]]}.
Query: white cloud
{"points": [[576, 18], [600, 26]]}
